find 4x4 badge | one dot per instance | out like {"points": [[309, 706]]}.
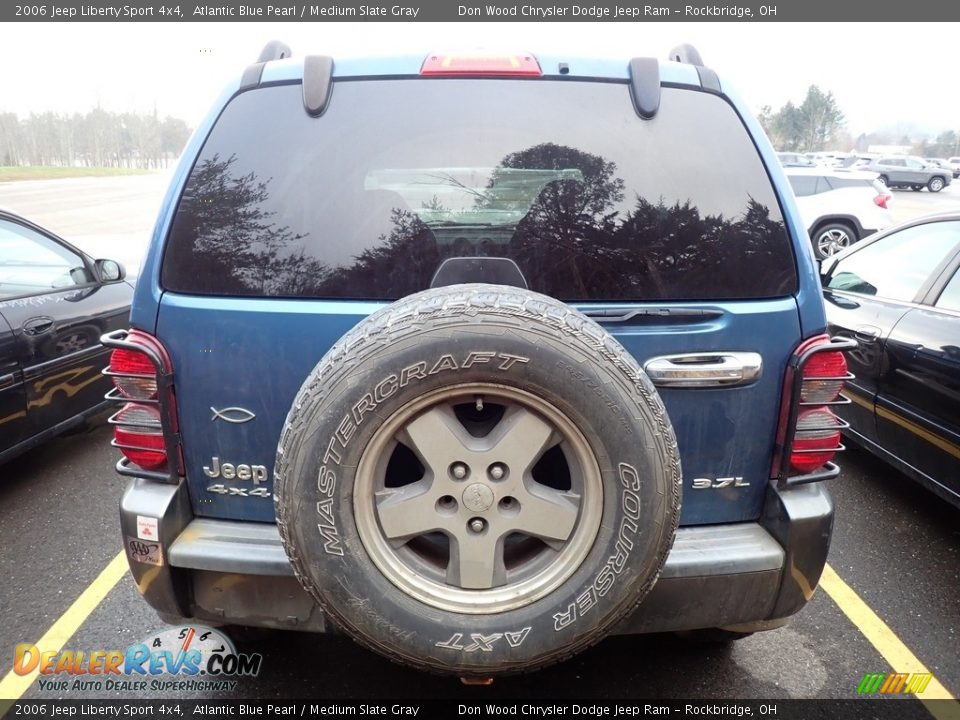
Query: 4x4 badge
{"points": [[232, 415]]}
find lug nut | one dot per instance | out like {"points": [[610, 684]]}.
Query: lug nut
{"points": [[497, 471], [459, 471], [477, 525]]}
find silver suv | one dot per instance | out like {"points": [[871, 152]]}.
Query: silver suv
{"points": [[910, 172]]}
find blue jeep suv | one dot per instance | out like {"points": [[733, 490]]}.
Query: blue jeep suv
{"points": [[428, 350]]}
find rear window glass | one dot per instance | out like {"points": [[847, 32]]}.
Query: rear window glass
{"points": [[397, 176], [803, 185], [836, 183]]}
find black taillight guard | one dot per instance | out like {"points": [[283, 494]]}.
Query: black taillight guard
{"points": [[780, 470], [164, 403]]}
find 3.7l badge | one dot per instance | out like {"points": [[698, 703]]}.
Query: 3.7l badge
{"points": [[708, 484]]}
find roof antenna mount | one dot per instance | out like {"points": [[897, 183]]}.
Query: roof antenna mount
{"points": [[685, 53], [274, 50]]}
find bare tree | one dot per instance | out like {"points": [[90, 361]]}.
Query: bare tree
{"points": [[811, 126], [96, 139]]}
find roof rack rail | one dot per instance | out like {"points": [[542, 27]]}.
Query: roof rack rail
{"points": [[274, 50], [317, 80], [645, 86], [685, 53]]}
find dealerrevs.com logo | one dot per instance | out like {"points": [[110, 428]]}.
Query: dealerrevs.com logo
{"points": [[191, 657]]}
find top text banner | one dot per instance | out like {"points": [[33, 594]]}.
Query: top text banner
{"points": [[451, 10]]}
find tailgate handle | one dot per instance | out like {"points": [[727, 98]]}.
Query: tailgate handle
{"points": [[662, 314], [705, 370]]}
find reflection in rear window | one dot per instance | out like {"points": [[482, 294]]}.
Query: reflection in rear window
{"points": [[563, 178]]}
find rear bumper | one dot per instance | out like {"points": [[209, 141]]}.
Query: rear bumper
{"points": [[748, 575]]}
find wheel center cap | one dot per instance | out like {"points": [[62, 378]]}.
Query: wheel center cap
{"points": [[477, 497]]}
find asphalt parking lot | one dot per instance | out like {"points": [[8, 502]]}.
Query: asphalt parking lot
{"points": [[895, 545], [908, 204], [890, 603]]}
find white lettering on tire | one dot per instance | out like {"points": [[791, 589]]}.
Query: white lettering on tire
{"points": [[365, 406], [605, 579], [483, 643]]}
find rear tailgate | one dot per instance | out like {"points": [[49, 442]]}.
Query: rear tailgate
{"points": [[291, 228], [239, 362]]}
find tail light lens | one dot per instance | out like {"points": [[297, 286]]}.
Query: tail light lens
{"points": [[138, 433], [816, 441], [133, 374], [145, 428], [881, 200], [823, 378], [808, 435]]}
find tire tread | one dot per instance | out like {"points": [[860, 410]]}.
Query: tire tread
{"points": [[510, 306]]}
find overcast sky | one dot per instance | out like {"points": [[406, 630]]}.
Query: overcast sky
{"points": [[894, 77]]}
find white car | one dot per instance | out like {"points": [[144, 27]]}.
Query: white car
{"points": [[954, 164], [792, 159], [839, 207]]}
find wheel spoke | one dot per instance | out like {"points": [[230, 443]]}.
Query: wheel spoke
{"points": [[519, 439], [477, 533], [437, 437], [476, 561], [407, 512], [548, 514]]}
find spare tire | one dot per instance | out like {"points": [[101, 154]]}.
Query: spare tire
{"points": [[477, 480]]}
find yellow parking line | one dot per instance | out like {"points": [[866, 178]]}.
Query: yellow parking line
{"points": [[13, 686], [893, 650], [901, 659]]}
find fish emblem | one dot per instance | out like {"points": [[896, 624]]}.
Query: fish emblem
{"points": [[232, 415]]}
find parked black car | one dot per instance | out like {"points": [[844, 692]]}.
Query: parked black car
{"points": [[55, 302], [898, 295]]}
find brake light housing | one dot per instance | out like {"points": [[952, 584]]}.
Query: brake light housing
{"points": [[881, 200], [481, 65], [809, 432], [145, 428]]}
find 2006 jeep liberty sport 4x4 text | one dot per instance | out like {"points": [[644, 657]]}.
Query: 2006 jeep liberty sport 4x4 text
{"points": [[429, 349]]}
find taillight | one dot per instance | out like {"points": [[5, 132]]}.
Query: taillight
{"points": [[808, 435], [145, 428], [138, 433], [823, 377], [816, 441], [133, 374], [881, 200]]}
